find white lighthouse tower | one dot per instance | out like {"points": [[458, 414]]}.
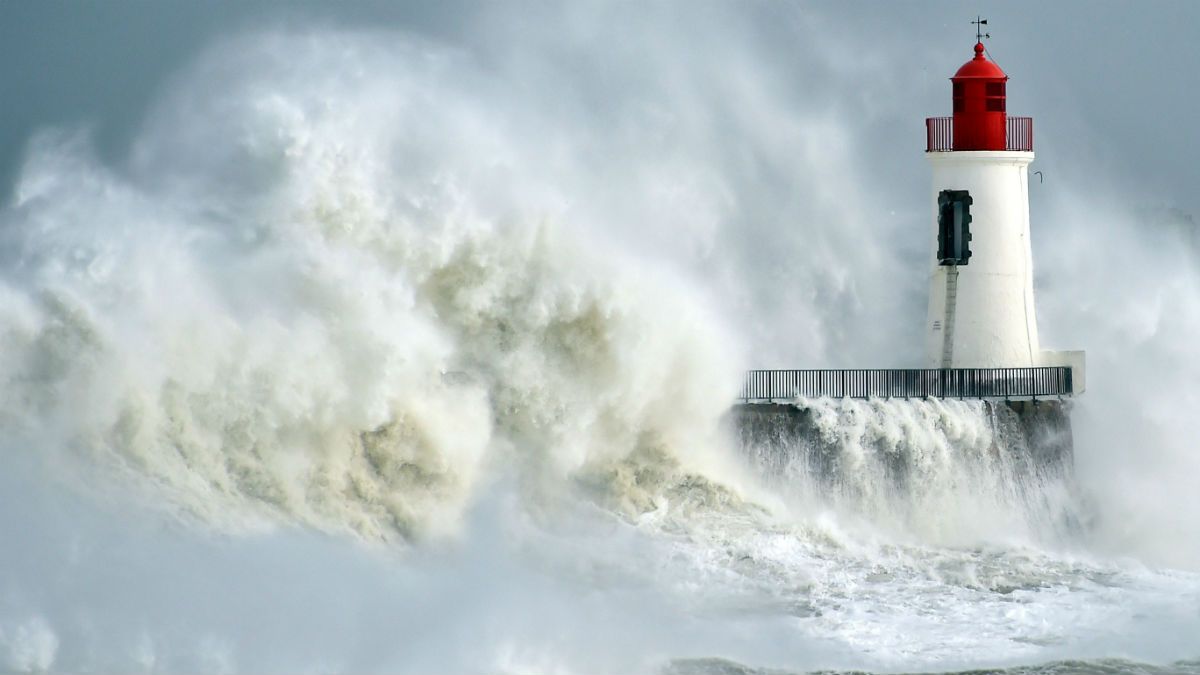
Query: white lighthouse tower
{"points": [[981, 307]]}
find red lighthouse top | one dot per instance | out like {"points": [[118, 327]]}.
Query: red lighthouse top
{"points": [[979, 67], [979, 104], [980, 120]]}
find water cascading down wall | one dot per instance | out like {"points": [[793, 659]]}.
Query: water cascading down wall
{"points": [[899, 460]]}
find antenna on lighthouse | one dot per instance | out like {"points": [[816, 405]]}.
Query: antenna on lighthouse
{"points": [[979, 24]]}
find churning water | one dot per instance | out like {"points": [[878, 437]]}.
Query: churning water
{"points": [[309, 386]]}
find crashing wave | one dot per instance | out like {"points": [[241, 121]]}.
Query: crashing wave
{"points": [[257, 315]]}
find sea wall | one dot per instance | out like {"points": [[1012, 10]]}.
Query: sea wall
{"points": [[1035, 431], [941, 468]]}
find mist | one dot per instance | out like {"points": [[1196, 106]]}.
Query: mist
{"points": [[398, 340]]}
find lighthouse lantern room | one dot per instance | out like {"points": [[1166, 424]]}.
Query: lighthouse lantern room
{"points": [[981, 306], [979, 104]]}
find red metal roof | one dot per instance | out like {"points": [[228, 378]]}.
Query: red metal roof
{"points": [[980, 67]]}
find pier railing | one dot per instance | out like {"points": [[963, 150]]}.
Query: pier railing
{"points": [[1002, 383]]}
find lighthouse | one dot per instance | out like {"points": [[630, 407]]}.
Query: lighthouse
{"points": [[981, 335], [981, 332], [981, 302]]}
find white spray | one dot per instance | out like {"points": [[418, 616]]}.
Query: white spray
{"points": [[332, 298]]}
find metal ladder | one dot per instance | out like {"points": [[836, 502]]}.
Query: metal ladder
{"points": [[948, 323]]}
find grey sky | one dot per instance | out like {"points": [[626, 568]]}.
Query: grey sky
{"points": [[1109, 83]]}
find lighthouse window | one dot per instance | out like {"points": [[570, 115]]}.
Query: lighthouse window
{"points": [[959, 104], [954, 227], [995, 96]]}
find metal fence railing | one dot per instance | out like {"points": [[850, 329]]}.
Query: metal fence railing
{"points": [[1019, 134], [939, 134], [772, 385]]}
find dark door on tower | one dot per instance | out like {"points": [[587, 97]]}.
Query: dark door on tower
{"points": [[954, 227]]}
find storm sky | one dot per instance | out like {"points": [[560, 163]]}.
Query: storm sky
{"points": [[1112, 86]]}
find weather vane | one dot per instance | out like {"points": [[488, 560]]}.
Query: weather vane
{"points": [[979, 24]]}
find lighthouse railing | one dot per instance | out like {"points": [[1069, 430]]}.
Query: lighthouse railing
{"points": [[1019, 134], [939, 134], [975, 383]]}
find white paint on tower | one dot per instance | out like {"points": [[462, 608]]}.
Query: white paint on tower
{"points": [[986, 319]]}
